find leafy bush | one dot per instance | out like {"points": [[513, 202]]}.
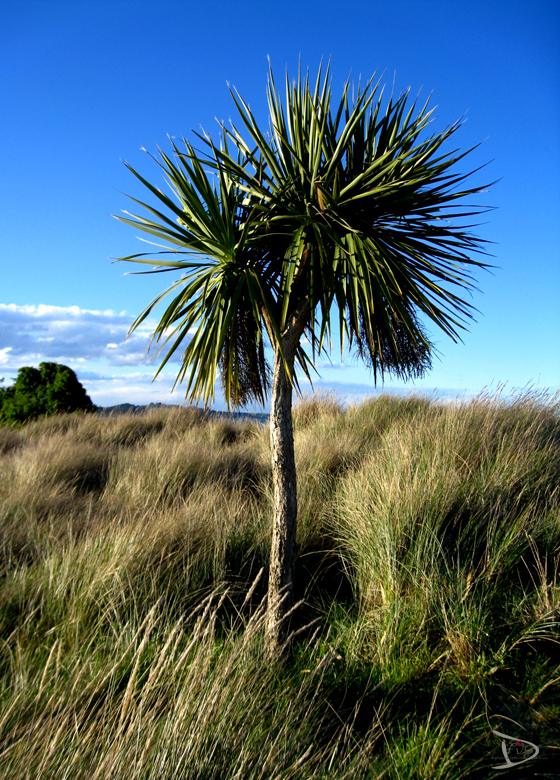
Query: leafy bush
{"points": [[44, 391]]}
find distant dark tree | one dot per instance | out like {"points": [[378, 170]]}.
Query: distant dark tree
{"points": [[45, 391]]}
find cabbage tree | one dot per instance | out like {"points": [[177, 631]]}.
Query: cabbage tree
{"points": [[347, 214]]}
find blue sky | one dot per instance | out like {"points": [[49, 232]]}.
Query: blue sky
{"points": [[86, 84]]}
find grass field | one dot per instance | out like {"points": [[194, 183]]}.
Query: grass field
{"points": [[134, 554]]}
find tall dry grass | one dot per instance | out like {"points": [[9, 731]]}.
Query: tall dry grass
{"points": [[133, 559]]}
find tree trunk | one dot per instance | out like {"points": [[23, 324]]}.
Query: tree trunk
{"points": [[283, 551]]}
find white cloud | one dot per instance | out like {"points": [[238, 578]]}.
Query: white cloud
{"points": [[31, 334], [4, 357]]}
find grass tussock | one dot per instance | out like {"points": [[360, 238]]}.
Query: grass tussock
{"points": [[133, 566]]}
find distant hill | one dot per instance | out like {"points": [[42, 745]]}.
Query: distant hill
{"points": [[105, 411]]}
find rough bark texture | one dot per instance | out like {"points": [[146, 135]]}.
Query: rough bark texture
{"points": [[283, 550]]}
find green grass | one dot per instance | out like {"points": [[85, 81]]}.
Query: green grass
{"points": [[133, 568]]}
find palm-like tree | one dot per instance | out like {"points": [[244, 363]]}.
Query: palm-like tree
{"points": [[353, 213]]}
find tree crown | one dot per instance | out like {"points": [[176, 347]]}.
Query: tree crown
{"points": [[351, 208], [47, 390]]}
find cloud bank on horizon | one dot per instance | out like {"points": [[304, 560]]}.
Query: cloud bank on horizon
{"points": [[94, 344], [69, 333]]}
